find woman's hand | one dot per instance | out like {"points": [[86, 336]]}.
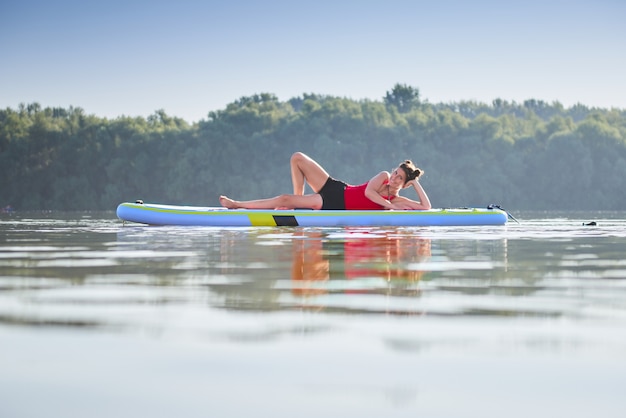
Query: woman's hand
{"points": [[414, 183]]}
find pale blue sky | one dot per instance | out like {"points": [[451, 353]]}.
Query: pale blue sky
{"points": [[115, 58]]}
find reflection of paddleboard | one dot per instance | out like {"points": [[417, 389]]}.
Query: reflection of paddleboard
{"points": [[155, 214]]}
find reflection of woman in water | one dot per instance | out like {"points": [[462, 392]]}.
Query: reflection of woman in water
{"points": [[384, 257], [310, 264], [372, 256]]}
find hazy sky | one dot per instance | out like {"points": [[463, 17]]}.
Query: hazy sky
{"points": [[115, 58]]}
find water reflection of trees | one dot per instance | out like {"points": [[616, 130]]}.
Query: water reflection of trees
{"points": [[271, 269]]}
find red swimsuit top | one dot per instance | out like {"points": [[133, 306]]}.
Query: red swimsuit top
{"points": [[355, 199]]}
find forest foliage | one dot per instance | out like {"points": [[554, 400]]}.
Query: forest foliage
{"points": [[524, 156]]}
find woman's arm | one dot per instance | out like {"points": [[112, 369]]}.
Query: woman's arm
{"points": [[371, 191], [402, 202]]}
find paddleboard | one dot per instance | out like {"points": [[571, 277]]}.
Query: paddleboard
{"points": [[159, 214]]}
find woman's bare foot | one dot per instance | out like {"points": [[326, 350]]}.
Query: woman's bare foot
{"points": [[228, 203]]}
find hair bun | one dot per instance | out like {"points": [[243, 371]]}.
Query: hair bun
{"points": [[412, 172]]}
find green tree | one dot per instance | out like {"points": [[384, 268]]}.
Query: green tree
{"points": [[403, 97]]}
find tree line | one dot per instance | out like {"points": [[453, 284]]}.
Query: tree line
{"points": [[524, 156]]}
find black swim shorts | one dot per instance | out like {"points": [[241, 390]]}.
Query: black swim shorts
{"points": [[332, 194]]}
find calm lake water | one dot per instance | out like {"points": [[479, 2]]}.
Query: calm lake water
{"points": [[101, 319]]}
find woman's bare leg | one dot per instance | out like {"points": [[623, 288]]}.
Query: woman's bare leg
{"points": [[285, 201], [305, 169]]}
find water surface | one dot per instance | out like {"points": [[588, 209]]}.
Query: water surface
{"points": [[102, 319]]}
